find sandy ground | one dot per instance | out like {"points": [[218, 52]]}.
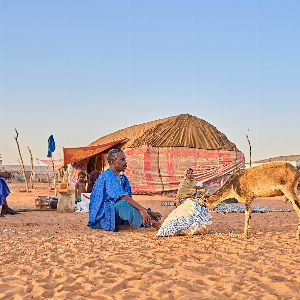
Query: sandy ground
{"points": [[51, 255]]}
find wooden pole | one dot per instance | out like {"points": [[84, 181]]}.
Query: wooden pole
{"points": [[54, 177], [31, 167], [20, 169], [250, 148], [21, 159], [49, 184]]}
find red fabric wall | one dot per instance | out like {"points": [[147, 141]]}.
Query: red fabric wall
{"points": [[155, 170]]}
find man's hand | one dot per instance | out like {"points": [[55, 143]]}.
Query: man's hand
{"points": [[156, 216], [146, 217]]}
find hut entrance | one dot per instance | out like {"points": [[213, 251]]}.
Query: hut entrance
{"points": [[95, 163]]}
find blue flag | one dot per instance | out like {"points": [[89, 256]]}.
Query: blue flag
{"points": [[51, 145]]}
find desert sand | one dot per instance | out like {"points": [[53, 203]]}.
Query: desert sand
{"points": [[49, 255]]}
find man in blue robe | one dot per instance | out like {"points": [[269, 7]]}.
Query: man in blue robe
{"points": [[111, 203]]}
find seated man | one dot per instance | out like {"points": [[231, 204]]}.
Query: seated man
{"points": [[4, 192], [189, 188], [111, 203]]}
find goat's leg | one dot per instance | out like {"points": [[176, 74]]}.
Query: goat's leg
{"points": [[292, 196], [247, 219]]}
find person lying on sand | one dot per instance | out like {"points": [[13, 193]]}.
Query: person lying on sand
{"points": [[111, 203], [4, 192]]}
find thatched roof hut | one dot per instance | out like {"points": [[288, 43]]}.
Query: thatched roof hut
{"points": [[158, 153], [178, 131]]}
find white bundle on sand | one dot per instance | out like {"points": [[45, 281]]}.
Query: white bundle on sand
{"points": [[82, 206], [187, 219]]}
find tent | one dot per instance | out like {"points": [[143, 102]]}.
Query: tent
{"points": [[158, 153]]}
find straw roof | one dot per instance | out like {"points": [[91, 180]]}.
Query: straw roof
{"points": [[177, 131]]}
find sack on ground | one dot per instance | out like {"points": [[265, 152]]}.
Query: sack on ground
{"points": [[187, 219]]}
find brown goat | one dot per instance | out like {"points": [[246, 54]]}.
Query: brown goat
{"points": [[268, 180]]}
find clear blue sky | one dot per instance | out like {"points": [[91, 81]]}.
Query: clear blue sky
{"points": [[80, 69]]}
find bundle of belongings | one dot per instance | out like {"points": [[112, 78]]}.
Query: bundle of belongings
{"points": [[83, 204], [187, 219]]}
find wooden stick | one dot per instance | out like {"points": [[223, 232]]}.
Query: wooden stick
{"points": [[250, 148], [54, 177], [34, 209], [21, 159], [49, 184], [31, 167]]}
